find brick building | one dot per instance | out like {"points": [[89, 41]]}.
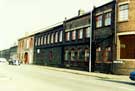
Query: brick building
{"points": [[48, 49], [103, 41], [125, 37], [25, 49], [77, 41]]}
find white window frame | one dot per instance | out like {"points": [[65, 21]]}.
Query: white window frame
{"points": [[99, 21], [38, 41], [48, 39], [45, 39], [80, 34], [52, 38], [60, 36], [42, 40], [88, 31], [56, 37], [67, 36], [123, 12], [73, 34], [107, 18]]}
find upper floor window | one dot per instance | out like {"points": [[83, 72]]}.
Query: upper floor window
{"points": [[60, 36], [48, 39], [73, 35], [123, 12], [44, 39], [99, 21], [31, 42], [27, 43], [80, 34], [38, 41], [52, 37], [108, 19], [56, 37], [88, 29], [67, 36]]}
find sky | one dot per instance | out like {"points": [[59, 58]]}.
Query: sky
{"points": [[20, 16]]}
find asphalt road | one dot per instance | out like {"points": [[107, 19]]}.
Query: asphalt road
{"points": [[37, 78]]}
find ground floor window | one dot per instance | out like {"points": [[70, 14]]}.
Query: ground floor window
{"points": [[67, 55], [80, 54], [103, 55], [127, 46], [73, 55], [87, 53], [107, 54], [98, 54]]}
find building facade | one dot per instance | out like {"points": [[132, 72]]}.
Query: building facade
{"points": [[77, 42], [48, 48], [125, 37], [13, 52], [5, 53], [25, 49], [103, 40]]}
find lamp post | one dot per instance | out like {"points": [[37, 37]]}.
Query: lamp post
{"points": [[90, 67]]}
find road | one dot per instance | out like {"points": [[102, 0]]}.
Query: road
{"points": [[37, 78]]}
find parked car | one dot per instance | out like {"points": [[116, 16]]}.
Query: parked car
{"points": [[132, 76], [3, 60], [14, 62]]}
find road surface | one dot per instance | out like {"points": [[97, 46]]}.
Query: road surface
{"points": [[37, 78]]}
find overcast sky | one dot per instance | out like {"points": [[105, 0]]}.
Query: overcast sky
{"points": [[20, 16]]}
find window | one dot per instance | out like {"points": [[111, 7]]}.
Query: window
{"points": [[38, 41], [67, 55], [107, 54], [80, 34], [73, 55], [60, 37], [44, 39], [27, 43], [31, 42], [87, 53], [88, 31], [48, 39], [99, 21], [56, 37], [80, 54], [98, 54], [123, 12], [67, 36], [108, 19], [73, 35], [52, 37]]}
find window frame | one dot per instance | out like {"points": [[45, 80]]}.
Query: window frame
{"points": [[107, 20], [80, 33], [74, 35], [99, 22], [123, 12]]}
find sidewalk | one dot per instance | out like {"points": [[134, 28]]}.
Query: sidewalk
{"points": [[93, 74]]}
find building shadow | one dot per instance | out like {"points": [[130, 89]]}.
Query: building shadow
{"points": [[121, 82]]}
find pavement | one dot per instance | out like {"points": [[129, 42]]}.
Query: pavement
{"points": [[93, 74]]}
